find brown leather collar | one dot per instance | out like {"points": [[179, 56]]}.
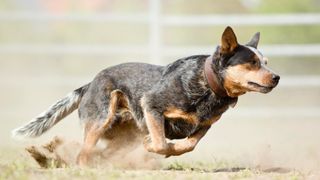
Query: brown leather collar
{"points": [[212, 79]]}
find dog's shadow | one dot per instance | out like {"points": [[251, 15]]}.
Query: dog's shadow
{"points": [[235, 169], [267, 170]]}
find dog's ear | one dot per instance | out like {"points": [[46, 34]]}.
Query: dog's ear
{"points": [[254, 40], [228, 41]]}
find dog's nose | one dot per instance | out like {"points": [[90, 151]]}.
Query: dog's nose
{"points": [[275, 78]]}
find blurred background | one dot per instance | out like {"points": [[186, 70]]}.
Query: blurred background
{"points": [[49, 48]]}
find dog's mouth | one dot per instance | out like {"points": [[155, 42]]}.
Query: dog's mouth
{"points": [[260, 88]]}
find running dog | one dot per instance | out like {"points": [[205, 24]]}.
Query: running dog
{"points": [[178, 101]]}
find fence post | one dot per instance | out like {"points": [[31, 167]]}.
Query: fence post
{"points": [[155, 42]]}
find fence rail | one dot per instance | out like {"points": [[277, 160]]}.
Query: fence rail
{"points": [[171, 20], [243, 19], [268, 50], [157, 22]]}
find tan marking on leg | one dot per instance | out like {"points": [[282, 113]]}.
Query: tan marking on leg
{"points": [[93, 132], [118, 102], [92, 136], [112, 109], [187, 144], [175, 113], [210, 121], [157, 142]]}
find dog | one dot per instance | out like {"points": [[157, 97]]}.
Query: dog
{"points": [[178, 101]]}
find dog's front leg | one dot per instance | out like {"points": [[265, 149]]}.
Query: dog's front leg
{"points": [[156, 141], [187, 144]]}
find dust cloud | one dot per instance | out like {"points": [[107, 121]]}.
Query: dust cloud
{"points": [[60, 152]]}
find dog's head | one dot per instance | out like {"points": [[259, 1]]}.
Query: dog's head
{"points": [[242, 67]]}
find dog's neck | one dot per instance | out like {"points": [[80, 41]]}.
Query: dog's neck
{"points": [[212, 78]]}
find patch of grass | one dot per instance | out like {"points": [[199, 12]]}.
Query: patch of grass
{"points": [[177, 166], [14, 170], [243, 174], [14, 164], [214, 166]]}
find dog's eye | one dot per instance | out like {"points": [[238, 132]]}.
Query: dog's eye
{"points": [[254, 62]]}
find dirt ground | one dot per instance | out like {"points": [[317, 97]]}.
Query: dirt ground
{"points": [[17, 164], [231, 150]]}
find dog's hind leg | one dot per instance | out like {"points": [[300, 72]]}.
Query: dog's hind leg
{"points": [[94, 131]]}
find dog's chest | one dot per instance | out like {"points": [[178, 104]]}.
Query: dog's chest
{"points": [[180, 124]]}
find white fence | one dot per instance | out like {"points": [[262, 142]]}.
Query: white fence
{"points": [[157, 24]]}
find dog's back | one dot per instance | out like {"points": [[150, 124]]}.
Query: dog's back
{"points": [[133, 79]]}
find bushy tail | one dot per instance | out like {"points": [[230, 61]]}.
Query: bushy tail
{"points": [[52, 116]]}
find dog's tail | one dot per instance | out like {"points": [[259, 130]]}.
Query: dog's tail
{"points": [[52, 116]]}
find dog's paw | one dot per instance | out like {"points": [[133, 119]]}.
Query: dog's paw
{"points": [[170, 150], [162, 149], [178, 148]]}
